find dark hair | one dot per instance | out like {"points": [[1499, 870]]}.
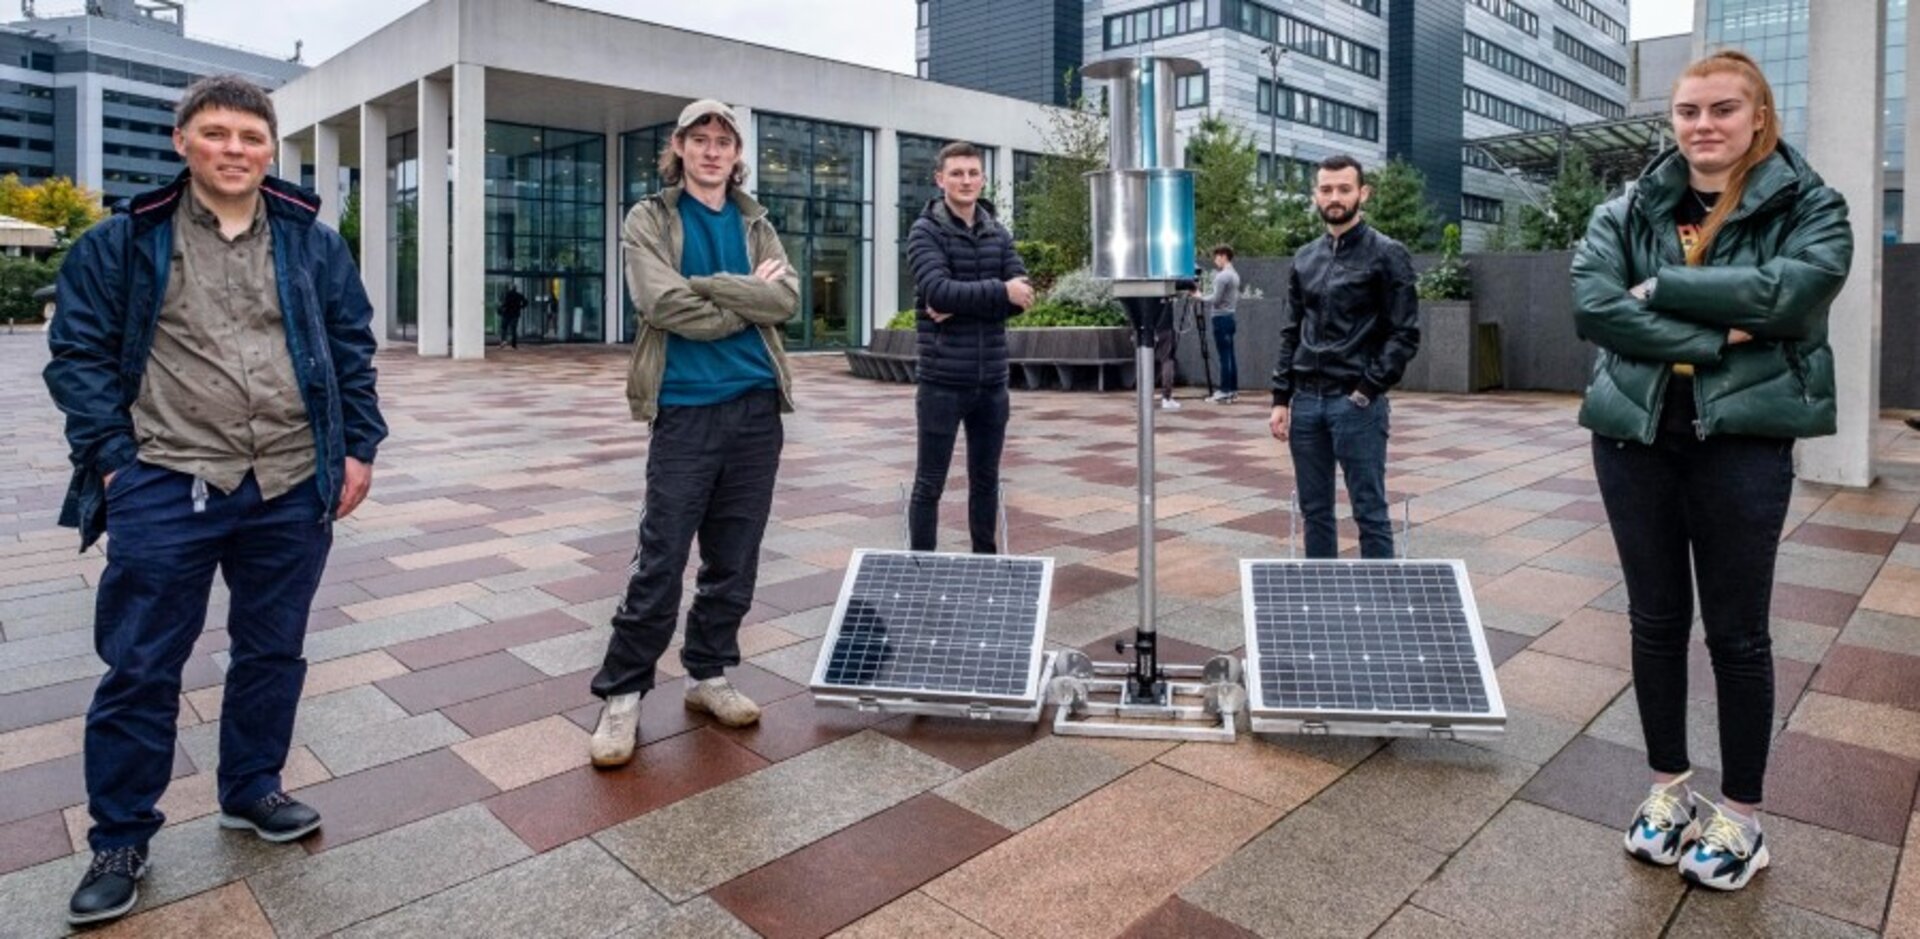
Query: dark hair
{"points": [[956, 150], [226, 91], [672, 171], [1222, 248], [1341, 161]]}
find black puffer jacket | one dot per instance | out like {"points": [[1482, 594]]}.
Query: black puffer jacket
{"points": [[962, 272], [1353, 319]]}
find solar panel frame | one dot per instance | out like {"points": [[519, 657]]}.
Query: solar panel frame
{"points": [[1260, 660], [1030, 657]]}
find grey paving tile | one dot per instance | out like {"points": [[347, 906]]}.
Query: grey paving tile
{"points": [[1035, 781], [1814, 566], [382, 743], [334, 714], [1433, 793], [199, 855], [1308, 877], [1413, 922], [1592, 888], [326, 892], [699, 842], [1871, 628], [1620, 723], [523, 602], [35, 898], [1707, 914], [42, 649], [566, 654], [1203, 625], [1828, 872], [794, 663], [353, 639], [698, 918], [30, 677], [574, 890], [1531, 737], [1344, 752]]}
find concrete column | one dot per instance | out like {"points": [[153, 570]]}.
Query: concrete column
{"points": [[326, 172], [1910, 200], [749, 147], [374, 260], [469, 211], [1846, 63], [436, 104], [290, 160], [615, 178], [886, 231], [90, 157]]}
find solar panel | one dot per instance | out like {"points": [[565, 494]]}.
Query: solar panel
{"points": [[961, 628], [1380, 642]]}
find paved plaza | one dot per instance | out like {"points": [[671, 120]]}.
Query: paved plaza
{"points": [[446, 715]]}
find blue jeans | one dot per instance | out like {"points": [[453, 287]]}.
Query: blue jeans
{"points": [[1223, 330], [1327, 430], [151, 606], [942, 410]]}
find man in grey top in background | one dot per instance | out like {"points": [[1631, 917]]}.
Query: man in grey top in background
{"points": [[1220, 305]]}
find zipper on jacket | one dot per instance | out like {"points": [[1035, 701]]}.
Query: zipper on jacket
{"points": [[1799, 370], [1699, 411]]}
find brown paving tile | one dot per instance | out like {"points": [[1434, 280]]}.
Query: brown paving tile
{"points": [[916, 915], [793, 725], [1567, 689], [528, 753], [358, 570], [1591, 635], [42, 705], [1043, 875], [427, 578], [1177, 917], [1865, 674], [1815, 605], [1601, 782], [1842, 787], [802, 593], [465, 680], [229, 912], [479, 640], [1583, 510], [577, 803], [1252, 767], [1896, 590], [1844, 539], [391, 795], [964, 744], [1540, 591], [1076, 582], [591, 587], [56, 784], [1903, 914], [31, 840], [847, 875], [1503, 645], [557, 695]]}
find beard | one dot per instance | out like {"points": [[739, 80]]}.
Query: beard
{"points": [[1336, 214]]}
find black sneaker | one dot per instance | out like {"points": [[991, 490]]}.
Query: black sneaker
{"points": [[1914, 422], [277, 818], [110, 887]]}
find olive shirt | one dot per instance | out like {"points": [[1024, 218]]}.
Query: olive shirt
{"points": [[220, 398]]}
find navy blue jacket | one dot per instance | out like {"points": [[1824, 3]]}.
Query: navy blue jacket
{"points": [[962, 272], [108, 300]]}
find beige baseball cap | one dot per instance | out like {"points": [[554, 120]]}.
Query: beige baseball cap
{"points": [[692, 113]]}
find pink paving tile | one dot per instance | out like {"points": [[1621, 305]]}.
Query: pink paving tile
{"points": [[482, 716], [577, 803], [1841, 786], [1870, 675], [464, 680], [1076, 582], [391, 795], [439, 575], [30, 841], [589, 588], [55, 784], [1177, 917], [1814, 605], [1584, 510], [479, 640], [1844, 539]]}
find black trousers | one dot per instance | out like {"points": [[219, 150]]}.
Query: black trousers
{"points": [[1687, 511], [710, 473], [942, 410]]}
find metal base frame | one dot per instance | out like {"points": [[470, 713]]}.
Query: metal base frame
{"points": [[896, 703], [1319, 727], [1194, 703]]}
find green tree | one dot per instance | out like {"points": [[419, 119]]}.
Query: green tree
{"points": [[1054, 203], [350, 224], [1570, 201], [1232, 206], [57, 203], [19, 278], [1399, 207]]}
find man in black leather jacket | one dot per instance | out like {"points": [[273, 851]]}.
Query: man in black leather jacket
{"points": [[1353, 323]]}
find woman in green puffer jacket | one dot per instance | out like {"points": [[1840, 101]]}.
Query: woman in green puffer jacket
{"points": [[1706, 288]]}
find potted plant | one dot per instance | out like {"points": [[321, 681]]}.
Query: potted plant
{"points": [[1458, 353]]}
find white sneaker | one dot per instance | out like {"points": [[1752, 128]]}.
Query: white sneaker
{"points": [[1663, 827], [1224, 397], [718, 697], [1168, 404], [619, 726], [1728, 854]]}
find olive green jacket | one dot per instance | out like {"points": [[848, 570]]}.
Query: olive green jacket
{"points": [[698, 308], [1772, 271]]}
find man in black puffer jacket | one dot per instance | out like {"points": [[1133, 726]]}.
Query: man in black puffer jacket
{"points": [[968, 280]]}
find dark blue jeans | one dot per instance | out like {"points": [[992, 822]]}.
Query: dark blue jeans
{"points": [[710, 473], [1686, 511], [1223, 330], [151, 606], [942, 410], [1327, 431]]}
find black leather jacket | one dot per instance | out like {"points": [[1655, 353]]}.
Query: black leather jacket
{"points": [[1353, 320]]}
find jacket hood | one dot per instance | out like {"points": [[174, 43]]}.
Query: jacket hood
{"points": [[285, 200], [941, 215], [1780, 176]]}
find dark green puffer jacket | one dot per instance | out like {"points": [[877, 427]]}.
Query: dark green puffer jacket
{"points": [[1773, 271]]}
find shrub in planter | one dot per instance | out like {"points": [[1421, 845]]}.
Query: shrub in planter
{"points": [[1448, 279]]}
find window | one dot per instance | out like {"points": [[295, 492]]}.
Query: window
{"points": [[1482, 209], [918, 158], [1529, 71], [1156, 22], [1504, 111], [1513, 13], [814, 184], [1313, 110], [1191, 91], [920, 67], [1596, 19], [1589, 56], [1303, 37], [1295, 173], [1477, 158], [922, 23]]}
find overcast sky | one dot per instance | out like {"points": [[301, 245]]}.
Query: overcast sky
{"points": [[871, 32]]}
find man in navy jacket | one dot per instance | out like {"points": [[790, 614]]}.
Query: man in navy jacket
{"points": [[969, 281], [213, 356]]}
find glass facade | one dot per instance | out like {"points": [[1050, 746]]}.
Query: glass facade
{"points": [[403, 235], [815, 184], [639, 178], [546, 229], [917, 156]]}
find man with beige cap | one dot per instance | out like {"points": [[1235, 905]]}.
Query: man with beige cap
{"points": [[711, 283]]}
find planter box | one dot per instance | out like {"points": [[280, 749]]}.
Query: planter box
{"points": [[1055, 357], [1458, 354]]}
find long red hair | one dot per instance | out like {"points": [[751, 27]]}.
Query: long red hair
{"points": [[1766, 138]]}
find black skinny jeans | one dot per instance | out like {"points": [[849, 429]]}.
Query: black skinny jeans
{"points": [[1719, 503], [942, 410]]}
